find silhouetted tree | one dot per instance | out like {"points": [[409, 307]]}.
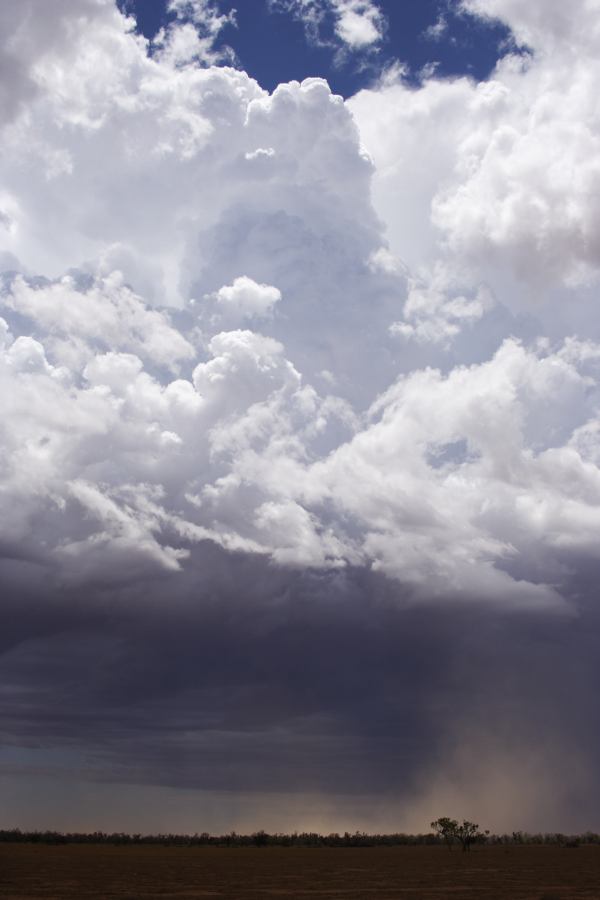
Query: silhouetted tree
{"points": [[446, 829], [260, 838], [466, 833]]}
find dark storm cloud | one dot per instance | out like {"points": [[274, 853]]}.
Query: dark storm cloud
{"points": [[273, 682]]}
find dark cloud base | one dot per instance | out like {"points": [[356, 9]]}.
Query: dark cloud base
{"points": [[263, 681]]}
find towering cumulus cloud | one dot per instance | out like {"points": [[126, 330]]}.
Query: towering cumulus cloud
{"points": [[300, 419]]}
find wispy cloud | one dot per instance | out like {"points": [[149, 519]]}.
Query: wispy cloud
{"points": [[351, 26]]}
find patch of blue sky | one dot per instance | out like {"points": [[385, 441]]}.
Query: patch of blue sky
{"points": [[421, 35]]}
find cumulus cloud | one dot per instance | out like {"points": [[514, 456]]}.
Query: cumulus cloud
{"points": [[245, 299], [240, 414], [448, 482], [100, 313], [436, 311], [509, 194], [543, 27]]}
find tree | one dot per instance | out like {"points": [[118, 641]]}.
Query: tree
{"points": [[446, 828], [466, 833], [260, 838]]}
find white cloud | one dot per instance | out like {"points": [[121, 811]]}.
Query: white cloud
{"points": [[498, 178], [106, 314], [448, 486], [314, 403], [245, 299], [544, 26], [439, 28], [358, 25], [453, 480], [204, 13], [359, 22], [193, 36], [436, 311]]}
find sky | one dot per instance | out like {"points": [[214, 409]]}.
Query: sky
{"points": [[300, 414], [269, 40]]}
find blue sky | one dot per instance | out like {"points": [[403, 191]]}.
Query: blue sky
{"points": [[272, 46]]}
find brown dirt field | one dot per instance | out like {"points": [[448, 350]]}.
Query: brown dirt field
{"points": [[74, 872]]}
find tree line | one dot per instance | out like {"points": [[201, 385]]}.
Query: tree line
{"points": [[302, 839]]}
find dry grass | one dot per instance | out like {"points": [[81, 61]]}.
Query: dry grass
{"points": [[399, 873]]}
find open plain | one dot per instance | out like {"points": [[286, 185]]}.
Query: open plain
{"points": [[72, 872]]}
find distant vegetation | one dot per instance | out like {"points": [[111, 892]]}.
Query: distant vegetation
{"points": [[464, 833], [439, 836]]}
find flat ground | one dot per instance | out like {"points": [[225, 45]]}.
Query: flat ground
{"points": [[74, 872]]}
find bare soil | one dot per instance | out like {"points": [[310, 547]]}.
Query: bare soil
{"points": [[75, 872]]}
